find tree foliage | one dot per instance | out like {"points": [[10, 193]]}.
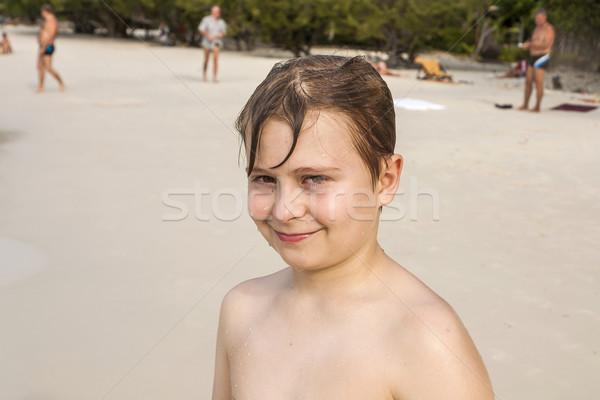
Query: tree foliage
{"points": [[410, 26], [29, 9], [395, 26], [578, 30], [294, 25]]}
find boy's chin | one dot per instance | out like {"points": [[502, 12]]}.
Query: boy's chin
{"points": [[298, 262]]}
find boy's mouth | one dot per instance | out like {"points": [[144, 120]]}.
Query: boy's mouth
{"points": [[294, 237]]}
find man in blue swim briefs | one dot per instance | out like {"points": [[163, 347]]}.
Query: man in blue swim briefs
{"points": [[539, 49], [46, 41]]}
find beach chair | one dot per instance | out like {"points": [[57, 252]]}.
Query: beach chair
{"points": [[431, 69]]}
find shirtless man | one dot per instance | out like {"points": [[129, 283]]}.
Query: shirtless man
{"points": [[46, 40], [213, 28], [539, 49]]}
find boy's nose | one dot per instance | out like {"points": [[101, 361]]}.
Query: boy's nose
{"points": [[288, 203]]}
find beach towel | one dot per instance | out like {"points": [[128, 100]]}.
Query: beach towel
{"points": [[419, 105], [574, 107]]}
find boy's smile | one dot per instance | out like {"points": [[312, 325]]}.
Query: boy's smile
{"points": [[294, 237], [319, 208]]}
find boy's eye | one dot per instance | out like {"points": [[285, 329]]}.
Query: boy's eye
{"points": [[264, 179], [315, 180]]}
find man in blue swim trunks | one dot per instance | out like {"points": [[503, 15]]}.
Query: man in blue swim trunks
{"points": [[539, 49], [46, 41]]}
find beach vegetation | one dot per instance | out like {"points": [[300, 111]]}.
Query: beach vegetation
{"points": [[479, 28]]}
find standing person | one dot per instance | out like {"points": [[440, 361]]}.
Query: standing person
{"points": [[342, 320], [46, 39], [539, 49], [213, 29]]}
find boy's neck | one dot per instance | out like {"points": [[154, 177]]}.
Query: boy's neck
{"points": [[343, 278]]}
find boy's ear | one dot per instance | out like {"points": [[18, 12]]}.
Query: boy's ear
{"points": [[390, 178]]}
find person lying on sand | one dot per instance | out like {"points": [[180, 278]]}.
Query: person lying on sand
{"points": [[518, 71], [5, 47], [382, 68]]}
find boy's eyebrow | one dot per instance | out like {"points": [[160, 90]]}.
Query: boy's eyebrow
{"points": [[317, 169], [301, 170], [257, 171]]}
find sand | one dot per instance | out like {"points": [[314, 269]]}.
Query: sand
{"points": [[106, 292]]}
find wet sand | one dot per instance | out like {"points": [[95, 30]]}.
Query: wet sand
{"points": [[107, 292]]}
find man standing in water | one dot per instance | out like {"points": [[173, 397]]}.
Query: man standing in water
{"points": [[539, 49], [46, 40], [212, 28]]}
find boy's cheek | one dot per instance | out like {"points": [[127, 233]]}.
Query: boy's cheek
{"points": [[329, 206], [260, 204], [362, 205]]}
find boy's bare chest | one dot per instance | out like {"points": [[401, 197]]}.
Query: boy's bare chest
{"points": [[310, 360]]}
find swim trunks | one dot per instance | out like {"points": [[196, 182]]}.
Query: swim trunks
{"points": [[207, 44], [539, 61], [49, 50]]}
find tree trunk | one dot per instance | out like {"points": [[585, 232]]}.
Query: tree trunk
{"points": [[115, 27], [521, 31], [486, 30], [391, 44]]}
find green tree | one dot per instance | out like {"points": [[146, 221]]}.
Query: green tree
{"points": [[293, 25], [578, 30], [29, 9], [189, 14], [410, 26], [240, 24]]}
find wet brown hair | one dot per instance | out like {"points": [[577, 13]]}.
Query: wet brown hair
{"points": [[350, 87], [47, 8]]}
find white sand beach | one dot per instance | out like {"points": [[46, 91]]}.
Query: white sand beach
{"points": [[106, 292]]}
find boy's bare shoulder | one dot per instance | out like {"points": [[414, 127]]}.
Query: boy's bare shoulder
{"points": [[420, 314], [432, 341], [248, 299]]}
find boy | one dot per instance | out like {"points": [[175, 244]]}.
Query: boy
{"points": [[343, 321]]}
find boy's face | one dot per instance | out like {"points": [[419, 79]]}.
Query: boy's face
{"points": [[319, 208]]}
